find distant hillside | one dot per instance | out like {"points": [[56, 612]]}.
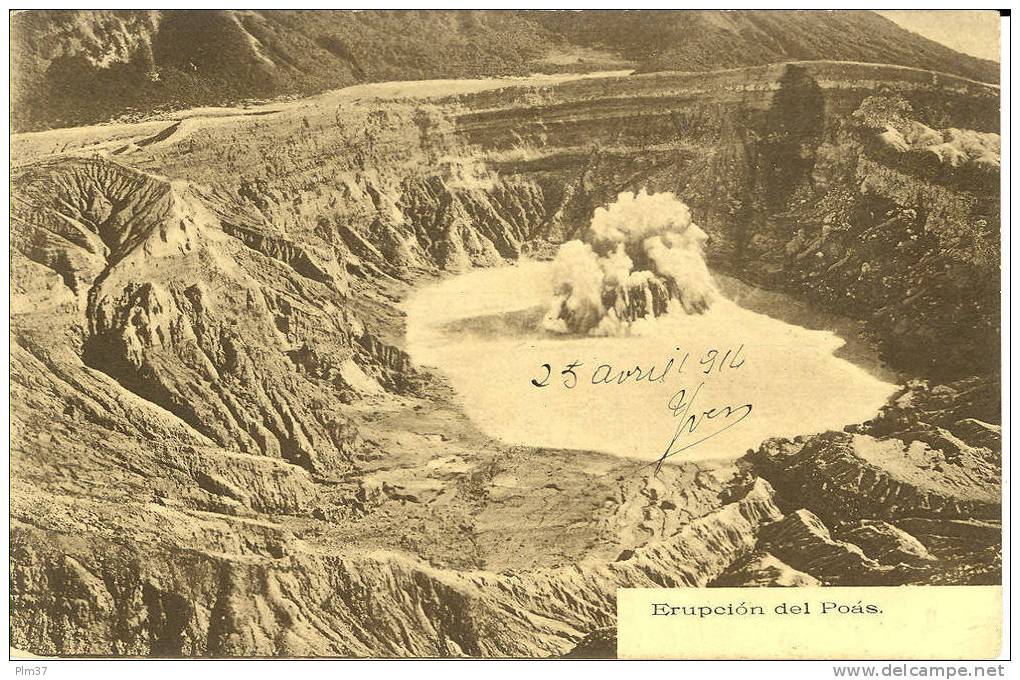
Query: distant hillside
{"points": [[75, 67], [710, 39]]}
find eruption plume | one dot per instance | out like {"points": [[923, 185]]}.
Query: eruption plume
{"points": [[641, 256]]}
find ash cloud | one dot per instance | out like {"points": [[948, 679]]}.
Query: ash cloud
{"points": [[641, 257]]}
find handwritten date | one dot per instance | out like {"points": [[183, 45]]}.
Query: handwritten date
{"points": [[571, 375]]}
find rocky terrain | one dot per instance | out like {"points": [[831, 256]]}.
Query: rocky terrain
{"points": [[74, 67], [219, 446]]}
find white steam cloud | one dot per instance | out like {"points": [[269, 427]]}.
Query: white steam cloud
{"points": [[641, 257], [952, 146]]}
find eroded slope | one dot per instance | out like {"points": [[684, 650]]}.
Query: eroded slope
{"points": [[219, 447]]}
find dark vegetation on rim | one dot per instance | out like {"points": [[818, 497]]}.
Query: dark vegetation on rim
{"points": [[78, 67]]}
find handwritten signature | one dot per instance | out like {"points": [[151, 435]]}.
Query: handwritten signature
{"points": [[691, 422], [696, 425]]}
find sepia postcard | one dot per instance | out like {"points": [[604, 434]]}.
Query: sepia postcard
{"points": [[506, 334]]}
